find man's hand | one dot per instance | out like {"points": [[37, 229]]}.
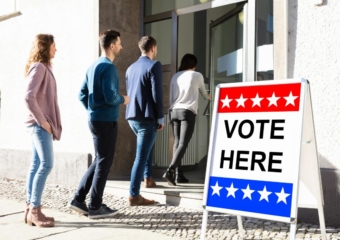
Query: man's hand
{"points": [[209, 97], [160, 127], [46, 125], [126, 100]]}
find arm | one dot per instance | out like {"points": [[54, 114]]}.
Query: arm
{"points": [[110, 83], [201, 87], [172, 97], [84, 94], [157, 90], [35, 78]]}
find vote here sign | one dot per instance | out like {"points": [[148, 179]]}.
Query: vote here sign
{"points": [[254, 154]]}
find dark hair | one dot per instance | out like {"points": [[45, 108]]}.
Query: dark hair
{"points": [[107, 37], [188, 61], [146, 43]]}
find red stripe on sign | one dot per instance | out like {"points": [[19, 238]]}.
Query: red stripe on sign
{"points": [[265, 98]]}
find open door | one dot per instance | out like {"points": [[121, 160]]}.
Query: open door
{"points": [[227, 49], [164, 28]]}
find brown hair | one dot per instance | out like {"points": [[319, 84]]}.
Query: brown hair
{"points": [[40, 50], [107, 37], [146, 43]]}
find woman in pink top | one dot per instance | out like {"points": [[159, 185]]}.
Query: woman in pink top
{"points": [[43, 124]]}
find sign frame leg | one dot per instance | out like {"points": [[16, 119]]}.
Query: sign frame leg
{"points": [[292, 231], [240, 226], [322, 222], [204, 224]]}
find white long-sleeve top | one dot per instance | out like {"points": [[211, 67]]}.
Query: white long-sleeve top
{"points": [[184, 89]]}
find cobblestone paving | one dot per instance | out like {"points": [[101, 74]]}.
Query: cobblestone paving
{"points": [[180, 223]]}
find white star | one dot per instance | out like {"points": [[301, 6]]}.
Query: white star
{"points": [[282, 196], [264, 194], [290, 99], [240, 101], [247, 192], [256, 100], [273, 100], [231, 190], [226, 101], [216, 189]]}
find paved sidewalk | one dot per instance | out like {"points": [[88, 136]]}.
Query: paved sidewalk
{"points": [[67, 226], [153, 222]]}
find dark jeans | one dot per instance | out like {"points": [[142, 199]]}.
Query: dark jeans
{"points": [[183, 125], [104, 140]]}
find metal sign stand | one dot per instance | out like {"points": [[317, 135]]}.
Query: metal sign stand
{"points": [[309, 176]]}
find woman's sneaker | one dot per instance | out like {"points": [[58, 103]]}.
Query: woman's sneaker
{"points": [[79, 207], [169, 175], [103, 212]]}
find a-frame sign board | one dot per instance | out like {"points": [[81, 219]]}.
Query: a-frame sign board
{"points": [[262, 159]]}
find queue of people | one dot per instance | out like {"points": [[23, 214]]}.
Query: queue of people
{"points": [[100, 96]]}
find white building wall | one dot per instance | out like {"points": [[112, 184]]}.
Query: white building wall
{"points": [[314, 54], [74, 24]]}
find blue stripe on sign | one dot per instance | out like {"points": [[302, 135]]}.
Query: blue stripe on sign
{"points": [[270, 198]]}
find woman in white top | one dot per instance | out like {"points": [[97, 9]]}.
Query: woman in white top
{"points": [[184, 90]]}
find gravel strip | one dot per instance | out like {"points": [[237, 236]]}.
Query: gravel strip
{"points": [[180, 223]]}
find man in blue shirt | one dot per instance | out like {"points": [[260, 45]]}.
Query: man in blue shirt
{"points": [[100, 96], [144, 113]]}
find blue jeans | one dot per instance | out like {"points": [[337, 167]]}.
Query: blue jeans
{"points": [[145, 131], [41, 163]]}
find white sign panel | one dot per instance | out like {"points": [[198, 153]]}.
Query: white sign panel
{"points": [[254, 155]]}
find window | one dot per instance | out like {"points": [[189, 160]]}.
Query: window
{"points": [[158, 6], [265, 41]]}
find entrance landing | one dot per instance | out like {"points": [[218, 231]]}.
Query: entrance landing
{"points": [[187, 195]]}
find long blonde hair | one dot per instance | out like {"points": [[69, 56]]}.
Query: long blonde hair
{"points": [[40, 50]]}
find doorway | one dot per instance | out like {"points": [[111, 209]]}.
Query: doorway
{"points": [[222, 34]]}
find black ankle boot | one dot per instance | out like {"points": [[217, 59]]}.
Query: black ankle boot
{"points": [[180, 178], [169, 175]]}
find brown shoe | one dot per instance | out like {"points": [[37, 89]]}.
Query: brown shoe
{"points": [[149, 183], [44, 216], [140, 201], [35, 218]]}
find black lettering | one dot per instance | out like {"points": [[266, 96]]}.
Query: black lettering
{"points": [[273, 161], [230, 159], [251, 124], [230, 134], [274, 128], [262, 122], [258, 161], [239, 159]]}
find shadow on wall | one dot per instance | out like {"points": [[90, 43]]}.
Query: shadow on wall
{"points": [[331, 193]]}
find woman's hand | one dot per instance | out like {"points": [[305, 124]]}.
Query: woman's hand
{"points": [[46, 125]]}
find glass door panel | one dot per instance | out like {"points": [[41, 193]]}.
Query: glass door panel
{"points": [[161, 31], [226, 42]]}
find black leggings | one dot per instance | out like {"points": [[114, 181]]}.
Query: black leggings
{"points": [[183, 125]]}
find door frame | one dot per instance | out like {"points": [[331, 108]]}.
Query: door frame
{"points": [[249, 37]]}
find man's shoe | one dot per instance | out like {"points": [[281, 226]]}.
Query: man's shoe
{"points": [[169, 175], [140, 201], [149, 183], [79, 207], [103, 212]]}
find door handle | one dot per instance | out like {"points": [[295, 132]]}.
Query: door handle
{"points": [[206, 110]]}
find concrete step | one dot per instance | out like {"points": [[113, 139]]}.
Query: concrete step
{"points": [[188, 195]]}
